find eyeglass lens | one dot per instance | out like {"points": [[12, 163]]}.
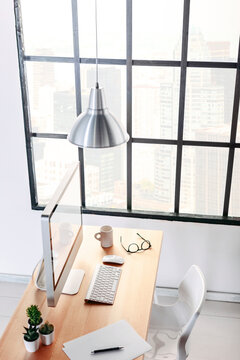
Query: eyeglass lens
{"points": [[133, 247], [145, 245]]}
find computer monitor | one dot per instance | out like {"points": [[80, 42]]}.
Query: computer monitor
{"points": [[62, 235]]}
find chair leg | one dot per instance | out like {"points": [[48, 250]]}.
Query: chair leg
{"points": [[182, 355]]}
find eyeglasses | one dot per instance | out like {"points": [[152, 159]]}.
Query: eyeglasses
{"points": [[133, 247]]}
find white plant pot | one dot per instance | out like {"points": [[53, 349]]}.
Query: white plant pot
{"points": [[47, 339], [32, 346]]}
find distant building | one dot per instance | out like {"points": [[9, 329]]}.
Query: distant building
{"points": [[210, 173], [109, 162], [64, 111], [110, 80], [92, 180]]}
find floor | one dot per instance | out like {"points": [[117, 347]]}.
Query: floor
{"points": [[10, 295], [214, 337], [216, 333]]}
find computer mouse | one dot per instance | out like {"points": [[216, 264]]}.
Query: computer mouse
{"points": [[113, 259]]}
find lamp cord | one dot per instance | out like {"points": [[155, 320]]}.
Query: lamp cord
{"points": [[96, 29]]}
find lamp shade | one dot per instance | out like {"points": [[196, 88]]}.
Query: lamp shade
{"points": [[97, 127]]}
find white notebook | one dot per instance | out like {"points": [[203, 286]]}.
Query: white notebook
{"points": [[120, 333]]}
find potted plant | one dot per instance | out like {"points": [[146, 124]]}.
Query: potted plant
{"points": [[34, 315], [31, 338], [46, 332]]}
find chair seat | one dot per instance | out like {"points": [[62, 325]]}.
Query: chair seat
{"points": [[170, 317]]}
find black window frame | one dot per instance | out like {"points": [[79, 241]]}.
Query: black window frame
{"points": [[129, 62]]}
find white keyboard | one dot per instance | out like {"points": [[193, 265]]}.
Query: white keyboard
{"points": [[104, 284]]}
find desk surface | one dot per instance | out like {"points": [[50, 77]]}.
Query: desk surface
{"points": [[73, 317]]}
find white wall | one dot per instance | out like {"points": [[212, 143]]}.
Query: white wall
{"points": [[215, 248], [20, 243]]}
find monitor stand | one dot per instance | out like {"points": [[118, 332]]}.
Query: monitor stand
{"points": [[71, 286]]}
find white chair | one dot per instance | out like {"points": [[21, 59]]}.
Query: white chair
{"points": [[171, 325]]}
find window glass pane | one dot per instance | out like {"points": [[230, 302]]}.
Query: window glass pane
{"points": [[155, 102], [113, 79], [234, 204], [203, 180], [111, 22], [51, 96], [238, 128], [153, 177], [209, 104], [52, 159], [47, 27], [213, 30], [157, 29], [105, 177]]}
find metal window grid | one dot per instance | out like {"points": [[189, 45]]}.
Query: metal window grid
{"points": [[183, 64]]}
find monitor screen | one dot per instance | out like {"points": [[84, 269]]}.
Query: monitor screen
{"points": [[61, 233]]}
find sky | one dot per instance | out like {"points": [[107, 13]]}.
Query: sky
{"points": [[155, 23]]}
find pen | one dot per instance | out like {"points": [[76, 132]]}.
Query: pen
{"points": [[107, 349]]}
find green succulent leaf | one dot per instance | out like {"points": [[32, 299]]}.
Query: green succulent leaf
{"points": [[46, 328], [34, 314], [31, 333]]}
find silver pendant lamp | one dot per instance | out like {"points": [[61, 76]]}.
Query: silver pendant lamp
{"points": [[97, 127]]}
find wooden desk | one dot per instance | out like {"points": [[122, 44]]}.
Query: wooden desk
{"points": [[73, 317]]}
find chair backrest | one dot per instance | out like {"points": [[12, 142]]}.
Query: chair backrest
{"points": [[192, 288], [192, 291]]}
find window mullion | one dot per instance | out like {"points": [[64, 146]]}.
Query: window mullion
{"points": [[25, 103], [232, 138], [181, 102], [129, 102], [78, 89]]}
